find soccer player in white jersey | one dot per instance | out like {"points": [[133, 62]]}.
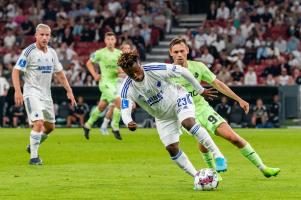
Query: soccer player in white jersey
{"points": [[39, 62], [170, 104]]}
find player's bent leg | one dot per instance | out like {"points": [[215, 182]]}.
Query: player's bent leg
{"points": [[204, 138], [180, 158], [106, 121], [225, 131], [93, 118]]}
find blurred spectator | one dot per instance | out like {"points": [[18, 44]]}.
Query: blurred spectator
{"points": [[206, 57], [223, 108], [293, 44], [4, 86], [284, 77], [9, 38], [27, 27], [237, 76], [88, 33], [212, 12], [146, 34], [223, 12], [219, 44], [237, 116], [270, 81], [281, 44], [224, 75], [260, 116], [139, 43], [297, 76], [18, 117], [274, 111], [250, 77], [77, 114]]}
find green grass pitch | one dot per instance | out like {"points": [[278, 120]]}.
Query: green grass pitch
{"points": [[139, 167]]}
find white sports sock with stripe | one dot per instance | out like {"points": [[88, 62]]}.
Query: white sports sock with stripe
{"points": [[204, 138], [184, 163], [35, 138]]}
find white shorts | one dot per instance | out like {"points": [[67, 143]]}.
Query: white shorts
{"points": [[38, 109], [170, 129]]}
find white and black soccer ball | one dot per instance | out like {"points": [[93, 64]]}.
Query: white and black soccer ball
{"points": [[206, 179]]}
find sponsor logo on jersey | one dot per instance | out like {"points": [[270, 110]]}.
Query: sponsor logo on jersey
{"points": [[155, 99], [193, 93], [45, 69]]}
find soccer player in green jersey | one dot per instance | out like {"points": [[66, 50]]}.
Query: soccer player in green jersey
{"points": [[106, 58], [206, 115], [114, 110]]}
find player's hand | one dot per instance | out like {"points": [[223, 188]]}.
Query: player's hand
{"points": [[18, 99], [96, 77], [132, 126], [71, 98], [244, 105], [210, 93]]}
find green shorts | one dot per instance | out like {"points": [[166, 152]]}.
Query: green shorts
{"points": [[208, 118], [108, 92]]}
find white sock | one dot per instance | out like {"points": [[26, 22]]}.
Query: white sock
{"points": [[35, 138], [184, 163], [105, 123], [204, 138], [44, 136]]}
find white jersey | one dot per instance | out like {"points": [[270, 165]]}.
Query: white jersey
{"points": [[38, 68], [156, 94]]}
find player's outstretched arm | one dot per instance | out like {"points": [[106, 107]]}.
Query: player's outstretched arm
{"points": [[91, 69], [223, 88], [126, 114], [63, 80], [17, 87]]}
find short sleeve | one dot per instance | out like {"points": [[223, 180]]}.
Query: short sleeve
{"points": [[57, 65], [95, 57], [207, 75], [22, 62]]}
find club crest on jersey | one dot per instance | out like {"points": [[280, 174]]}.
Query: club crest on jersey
{"points": [[159, 84], [174, 68], [196, 75]]}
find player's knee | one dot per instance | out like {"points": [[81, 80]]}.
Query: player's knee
{"points": [[188, 123], [38, 125], [49, 128], [173, 149]]}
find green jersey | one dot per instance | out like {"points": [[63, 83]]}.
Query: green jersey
{"points": [[205, 114], [107, 61], [201, 73]]}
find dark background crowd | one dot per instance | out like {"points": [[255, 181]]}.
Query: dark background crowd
{"points": [[243, 42]]}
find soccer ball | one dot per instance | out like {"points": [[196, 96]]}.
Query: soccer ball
{"points": [[206, 179]]}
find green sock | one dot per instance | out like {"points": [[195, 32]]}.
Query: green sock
{"points": [[248, 152], [43, 137], [116, 119], [208, 159], [94, 115]]}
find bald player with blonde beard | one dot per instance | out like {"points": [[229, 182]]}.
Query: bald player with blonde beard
{"points": [[39, 62]]}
